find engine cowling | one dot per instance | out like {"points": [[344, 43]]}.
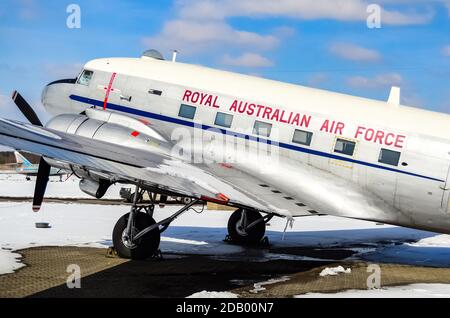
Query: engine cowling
{"points": [[94, 188], [112, 128]]}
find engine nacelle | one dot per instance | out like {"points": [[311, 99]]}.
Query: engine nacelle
{"points": [[111, 127], [94, 188]]}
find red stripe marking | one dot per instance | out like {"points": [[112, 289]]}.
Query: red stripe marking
{"points": [[226, 165], [220, 199], [135, 133], [111, 81]]}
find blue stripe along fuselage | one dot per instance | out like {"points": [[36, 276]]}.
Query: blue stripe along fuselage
{"points": [[186, 123]]}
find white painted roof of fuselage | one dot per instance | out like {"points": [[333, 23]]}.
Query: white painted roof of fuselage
{"points": [[284, 95]]}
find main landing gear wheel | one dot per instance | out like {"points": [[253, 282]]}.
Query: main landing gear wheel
{"points": [[238, 231], [142, 248]]}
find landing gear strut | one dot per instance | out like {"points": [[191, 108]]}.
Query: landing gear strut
{"points": [[137, 235], [247, 227]]}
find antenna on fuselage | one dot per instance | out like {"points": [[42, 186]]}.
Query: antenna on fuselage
{"points": [[394, 96], [174, 56]]}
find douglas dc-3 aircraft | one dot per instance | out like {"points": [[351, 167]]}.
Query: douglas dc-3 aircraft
{"points": [[264, 147]]}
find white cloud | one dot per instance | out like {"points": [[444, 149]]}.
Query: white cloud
{"points": [[247, 60], [446, 50], [444, 3], [189, 36], [354, 52], [379, 81], [341, 10], [202, 25]]}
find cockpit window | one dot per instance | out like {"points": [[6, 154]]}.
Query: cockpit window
{"points": [[85, 77]]}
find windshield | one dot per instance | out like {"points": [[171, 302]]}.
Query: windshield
{"points": [[85, 77]]}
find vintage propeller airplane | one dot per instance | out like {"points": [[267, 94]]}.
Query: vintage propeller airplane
{"points": [[265, 147]]}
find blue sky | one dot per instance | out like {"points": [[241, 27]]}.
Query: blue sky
{"points": [[319, 43]]}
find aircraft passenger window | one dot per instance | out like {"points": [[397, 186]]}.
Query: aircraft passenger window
{"points": [[262, 129], [302, 137], [187, 111], [85, 78], [389, 157], [223, 120], [345, 147]]}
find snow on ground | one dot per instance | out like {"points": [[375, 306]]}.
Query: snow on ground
{"points": [[407, 291], [193, 233], [18, 186], [430, 250], [333, 271], [9, 261], [257, 287], [213, 294], [434, 241]]}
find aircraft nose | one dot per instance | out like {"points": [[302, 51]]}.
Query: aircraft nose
{"points": [[55, 95], [44, 94], [63, 81]]}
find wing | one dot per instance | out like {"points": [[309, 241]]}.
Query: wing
{"points": [[152, 169]]}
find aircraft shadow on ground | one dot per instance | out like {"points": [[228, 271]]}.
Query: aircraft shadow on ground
{"points": [[389, 244], [177, 277]]}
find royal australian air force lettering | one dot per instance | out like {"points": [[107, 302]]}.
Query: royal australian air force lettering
{"points": [[298, 119]]}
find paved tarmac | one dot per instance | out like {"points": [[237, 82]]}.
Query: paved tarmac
{"points": [[180, 275]]}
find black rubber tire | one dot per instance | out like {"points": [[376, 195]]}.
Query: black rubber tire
{"points": [[254, 235], [145, 247]]}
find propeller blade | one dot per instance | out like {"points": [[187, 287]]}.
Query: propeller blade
{"points": [[26, 109], [41, 184]]}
